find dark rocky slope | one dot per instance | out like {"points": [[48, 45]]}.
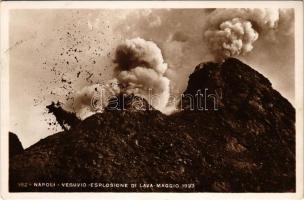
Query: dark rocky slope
{"points": [[246, 145]]}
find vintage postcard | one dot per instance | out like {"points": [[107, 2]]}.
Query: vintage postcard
{"points": [[157, 100]]}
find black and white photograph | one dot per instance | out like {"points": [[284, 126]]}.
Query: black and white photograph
{"points": [[151, 99]]}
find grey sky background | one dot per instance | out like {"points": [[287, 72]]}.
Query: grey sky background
{"points": [[40, 40]]}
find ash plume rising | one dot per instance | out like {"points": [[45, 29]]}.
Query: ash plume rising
{"points": [[139, 70], [233, 32]]}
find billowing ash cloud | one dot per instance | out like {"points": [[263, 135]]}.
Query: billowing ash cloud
{"points": [[232, 32], [140, 70]]}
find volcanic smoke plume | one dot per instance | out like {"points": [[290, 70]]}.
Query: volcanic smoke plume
{"points": [[232, 32], [140, 70]]}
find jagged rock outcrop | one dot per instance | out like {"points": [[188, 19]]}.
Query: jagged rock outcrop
{"points": [[64, 118], [246, 144], [15, 146]]}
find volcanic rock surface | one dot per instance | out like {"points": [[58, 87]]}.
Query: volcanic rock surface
{"points": [[241, 140]]}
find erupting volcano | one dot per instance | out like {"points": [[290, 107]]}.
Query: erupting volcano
{"points": [[247, 145]]}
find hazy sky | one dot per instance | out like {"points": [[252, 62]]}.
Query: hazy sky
{"points": [[50, 47]]}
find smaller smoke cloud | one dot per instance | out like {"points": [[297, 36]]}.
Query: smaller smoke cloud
{"points": [[94, 98], [232, 32], [140, 70], [234, 37]]}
